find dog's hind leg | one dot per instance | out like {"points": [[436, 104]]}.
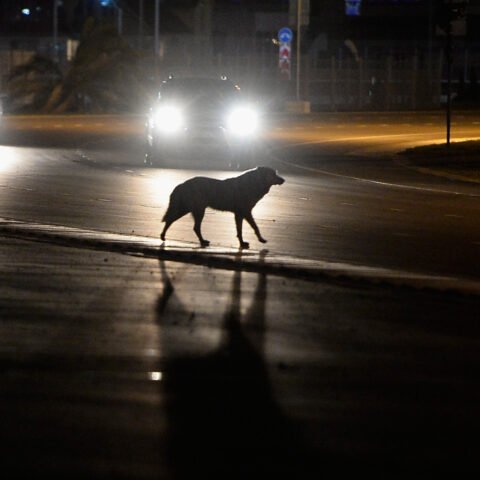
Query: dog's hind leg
{"points": [[249, 218], [172, 215], [239, 224], [165, 228], [168, 221], [198, 215], [164, 231]]}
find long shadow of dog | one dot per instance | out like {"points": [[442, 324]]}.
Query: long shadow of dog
{"points": [[223, 419]]}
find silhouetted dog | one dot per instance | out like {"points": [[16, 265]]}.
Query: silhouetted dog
{"points": [[238, 195]]}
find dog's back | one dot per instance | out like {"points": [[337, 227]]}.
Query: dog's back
{"points": [[201, 192], [232, 194]]}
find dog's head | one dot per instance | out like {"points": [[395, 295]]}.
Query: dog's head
{"points": [[270, 176]]}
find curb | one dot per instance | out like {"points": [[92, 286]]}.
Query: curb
{"points": [[261, 262]]}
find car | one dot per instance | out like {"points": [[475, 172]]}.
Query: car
{"points": [[202, 120]]}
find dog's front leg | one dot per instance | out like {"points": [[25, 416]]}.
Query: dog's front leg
{"points": [[239, 224], [249, 218]]}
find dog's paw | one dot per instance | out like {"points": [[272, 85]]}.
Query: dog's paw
{"points": [[204, 243], [244, 245], [261, 239]]}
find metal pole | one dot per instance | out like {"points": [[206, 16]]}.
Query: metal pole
{"points": [[119, 20], [55, 30], [157, 28], [449, 77], [299, 36], [449, 59], [140, 23], [430, 47], [116, 5]]}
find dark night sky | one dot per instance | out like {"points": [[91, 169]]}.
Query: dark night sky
{"points": [[387, 20]]}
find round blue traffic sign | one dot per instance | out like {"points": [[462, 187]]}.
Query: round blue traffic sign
{"points": [[285, 35]]}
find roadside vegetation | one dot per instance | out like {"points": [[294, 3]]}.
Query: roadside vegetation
{"points": [[462, 152], [459, 160]]}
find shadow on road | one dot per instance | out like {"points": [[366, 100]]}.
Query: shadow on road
{"points": [[223, 419]]}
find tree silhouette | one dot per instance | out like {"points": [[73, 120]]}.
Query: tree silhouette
{"points": [[105, 76]]}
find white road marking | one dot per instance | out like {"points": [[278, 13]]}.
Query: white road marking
{"points": [[378, 182]]}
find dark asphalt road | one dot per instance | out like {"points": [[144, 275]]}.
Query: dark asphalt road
{"points": [[115, 366], [122, 366]]}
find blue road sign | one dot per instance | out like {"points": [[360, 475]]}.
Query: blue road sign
{"points": [[285, 35]]}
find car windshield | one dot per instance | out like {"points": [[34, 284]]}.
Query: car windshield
{"points": [[191, 88]]}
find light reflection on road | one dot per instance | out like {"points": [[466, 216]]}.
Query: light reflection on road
{"points": [[8, 159]]}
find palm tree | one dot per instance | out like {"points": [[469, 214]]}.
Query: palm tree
{"points": [[30, 85], [105, 76]]}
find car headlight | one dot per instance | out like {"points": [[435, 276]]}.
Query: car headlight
{"points": [[168, 119], [242, 121]]}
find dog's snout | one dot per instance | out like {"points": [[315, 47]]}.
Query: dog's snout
{"points": [[280, 180]]}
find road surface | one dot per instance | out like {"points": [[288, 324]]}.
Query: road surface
{"points": [[345, 201], [349, 347]]}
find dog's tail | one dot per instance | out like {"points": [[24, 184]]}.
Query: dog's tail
{"points": [[169, 215], [168, 212], [176, 207]]}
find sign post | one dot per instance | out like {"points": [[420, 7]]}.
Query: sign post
{"points": [[299, 51], [450, 11], [285, 36]]}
